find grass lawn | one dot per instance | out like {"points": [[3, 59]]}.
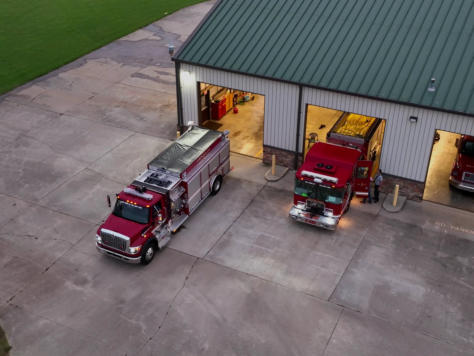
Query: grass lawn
{"points": [[37, 36], [4, 347]]}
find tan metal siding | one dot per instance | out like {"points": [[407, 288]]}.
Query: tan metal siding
{"points": [[281, 101], [406, 149], [407, 146]]}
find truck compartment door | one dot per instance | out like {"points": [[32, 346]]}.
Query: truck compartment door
{"points": [[194, 192], [205, 183], [362, 178]]}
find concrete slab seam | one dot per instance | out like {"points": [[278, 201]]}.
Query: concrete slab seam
{"points": [[65, 252], [204, 258], [67, 181], [274, 283], [108, 124], [350, 262], [233, 222], [397, 326], [110, 150], [19, 211], [20, 290], [34, 237], [46, 269], [333, 330], [50, 147], [78, 332], [38, 204], [171, 304], [63, 183], [7, 99], [402, 327], [35, 106], [142, 88]]}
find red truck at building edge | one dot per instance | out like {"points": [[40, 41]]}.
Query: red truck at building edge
{"points": [[462, 174], [161, 199], [336, 170]]}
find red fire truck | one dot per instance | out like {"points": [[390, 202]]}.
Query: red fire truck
{"points": [[336, 170], [462, 174], [160, 199]]}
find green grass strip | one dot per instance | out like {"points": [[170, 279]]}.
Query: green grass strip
{"points": [[37, 36], [4, 347]]}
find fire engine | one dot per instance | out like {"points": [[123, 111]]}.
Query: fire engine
{"points": [[162, 198], [336, 170], [462, 174]]}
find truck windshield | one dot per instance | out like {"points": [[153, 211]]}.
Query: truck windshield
{"points": [[319, 192], [468, 148], [131, 212]]}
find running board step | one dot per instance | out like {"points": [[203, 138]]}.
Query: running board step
{"points": [[164, 241], [177, 222]]}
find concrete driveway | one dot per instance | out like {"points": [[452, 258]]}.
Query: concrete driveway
{"points": [[240, 278]]}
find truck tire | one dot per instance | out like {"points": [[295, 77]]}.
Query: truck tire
{"points": [[216, 186], [347, 207], [148, 252], [348, 204]]}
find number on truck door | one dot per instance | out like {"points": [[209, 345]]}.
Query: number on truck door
{"points": [[362, 179]]}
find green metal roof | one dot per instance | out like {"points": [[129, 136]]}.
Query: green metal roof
{"points": [[385, 49]]}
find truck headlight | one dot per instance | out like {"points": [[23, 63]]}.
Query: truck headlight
{"points": [[98, 239], [134, 250]]}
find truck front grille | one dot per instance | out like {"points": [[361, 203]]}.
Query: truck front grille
{"points": [[314, 207], [113, 241], [468, 177]]}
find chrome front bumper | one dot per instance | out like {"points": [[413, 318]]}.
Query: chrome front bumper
{"points": [[468, 187], [326, 222], [134, 260]]}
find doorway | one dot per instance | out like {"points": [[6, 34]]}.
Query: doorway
{"points": [[437, 188], [319, 121], [239, 112], [344, 128]]}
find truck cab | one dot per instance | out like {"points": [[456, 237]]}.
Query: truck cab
{"points": [[137, 213], [462, 173], [325, 184]]}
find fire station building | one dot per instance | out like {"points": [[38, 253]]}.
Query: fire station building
{"points": [[279, 74]]}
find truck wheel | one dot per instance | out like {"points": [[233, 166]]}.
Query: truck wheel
{"points": [[348, 204], [347, 207], [148, 252], [216, 186]]}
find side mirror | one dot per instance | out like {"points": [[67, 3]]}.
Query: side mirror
{"points": [[109, 203], [457, 143], [157, 214]]}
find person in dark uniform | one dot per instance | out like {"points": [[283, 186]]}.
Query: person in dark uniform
{"points": [[377, 182]]}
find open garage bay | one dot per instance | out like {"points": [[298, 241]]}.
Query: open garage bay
{"points": [[437, 188]]}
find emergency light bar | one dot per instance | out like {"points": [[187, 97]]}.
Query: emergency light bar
{"points": [[318, 176], [131, 191]]}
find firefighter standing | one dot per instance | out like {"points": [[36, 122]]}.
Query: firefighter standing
{"points": [[377, 182]]}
